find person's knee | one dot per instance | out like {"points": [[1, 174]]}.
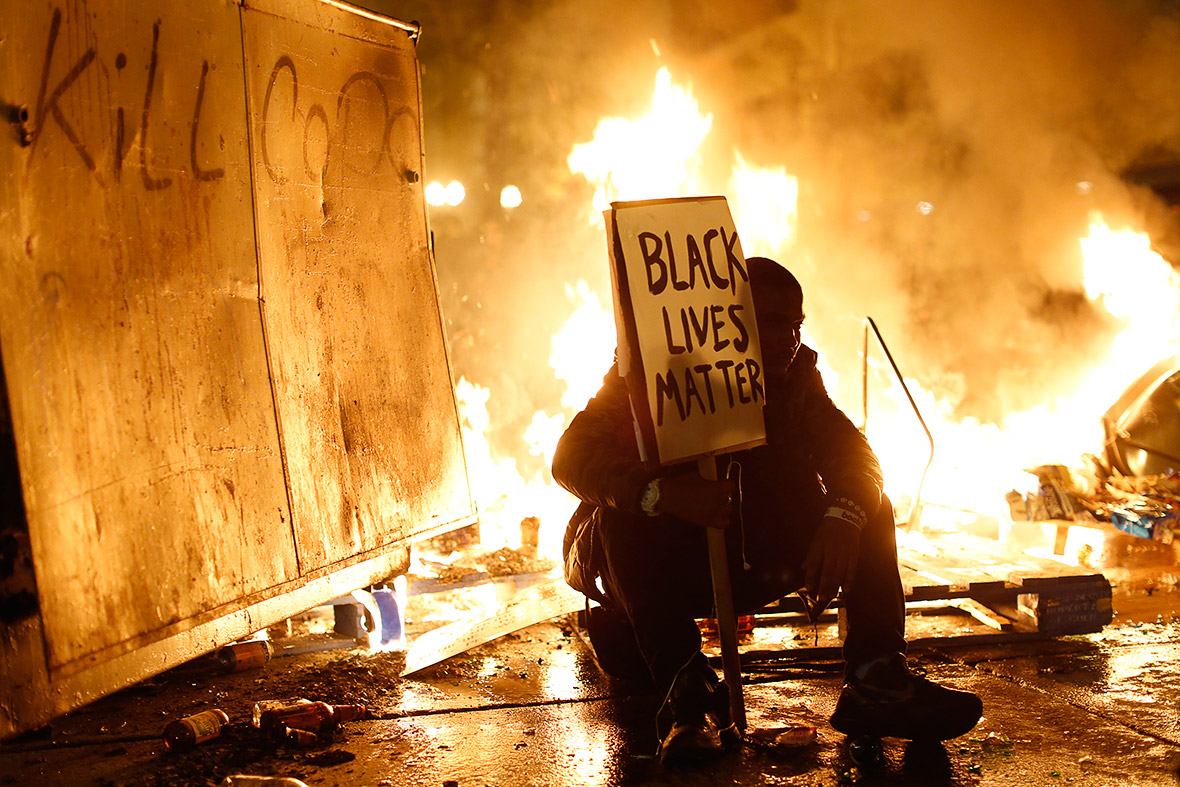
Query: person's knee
{"points": [[879, 534]]}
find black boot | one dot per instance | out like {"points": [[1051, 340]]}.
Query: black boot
{"points": [[890, 701], [699, 705]]}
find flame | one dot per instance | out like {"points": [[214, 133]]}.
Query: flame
{"points": [[504, 496], [764, 207], [975, 463], [657, 155], [653, 156], [1136, 286], [582, 351]]}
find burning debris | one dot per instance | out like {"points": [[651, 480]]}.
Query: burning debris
{"points": [[1124, 321], [1147, 507]]}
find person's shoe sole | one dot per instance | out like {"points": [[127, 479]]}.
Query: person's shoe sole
{"points": [[882, 722]]}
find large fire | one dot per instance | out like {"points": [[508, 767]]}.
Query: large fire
{"points": [[974, 463]]}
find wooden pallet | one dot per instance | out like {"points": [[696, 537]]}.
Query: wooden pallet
{"points": [[1007, 591]]}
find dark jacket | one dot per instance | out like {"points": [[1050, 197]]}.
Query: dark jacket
{"points": [[812, 451]]}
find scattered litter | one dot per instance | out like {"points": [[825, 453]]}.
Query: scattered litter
{"points": [[184, 734], [242, 656], [791, 736], [267, 705], [849, 776], [312, 717], [996, 743], [1147, 518], [1147, 507]]}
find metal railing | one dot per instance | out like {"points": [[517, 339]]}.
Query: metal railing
{"points": [[916, 508]]}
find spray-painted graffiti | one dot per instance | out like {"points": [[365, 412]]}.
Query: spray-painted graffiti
{"points": [[356, 136], [361, 144], [49, 107]]}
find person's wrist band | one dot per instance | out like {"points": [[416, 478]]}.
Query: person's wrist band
{"points": [[650, 498], [849, 504], [848, 516]]}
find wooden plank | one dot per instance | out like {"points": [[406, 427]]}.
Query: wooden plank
{"points": [[910, 580], [983, 614], [1077, 608], [959, 576], [363, 385], [920, 582], [533, 605], [129, 322], [988, 563]]}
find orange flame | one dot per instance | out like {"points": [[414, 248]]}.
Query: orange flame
{"points": [[659, 155]]}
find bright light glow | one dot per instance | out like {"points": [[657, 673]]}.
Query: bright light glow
{"points": [[977, 463], [455, 193], [559, 678], [510, 197], [659, 155], [436, 194], [656, 155], [764, 207], [583, 350], [1138, 287], [581, 354]]}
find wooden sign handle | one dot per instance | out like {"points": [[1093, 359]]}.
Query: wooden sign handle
{"points": [[723, 600]]}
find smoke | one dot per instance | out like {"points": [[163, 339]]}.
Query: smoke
{"points": [[949, 155]]}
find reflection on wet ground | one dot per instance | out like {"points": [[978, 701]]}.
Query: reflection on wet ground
{"points": [[533, 708]]}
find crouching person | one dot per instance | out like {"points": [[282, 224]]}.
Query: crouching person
{"points": [[810, 514]]}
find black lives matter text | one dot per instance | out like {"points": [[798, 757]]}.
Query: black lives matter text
{"points": [[710, 263]]}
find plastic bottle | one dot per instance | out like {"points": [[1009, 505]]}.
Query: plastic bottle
{"points": [[310, 717], [184, 734]]}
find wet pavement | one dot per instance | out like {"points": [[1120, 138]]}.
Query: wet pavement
{"points": [[533, 708]]}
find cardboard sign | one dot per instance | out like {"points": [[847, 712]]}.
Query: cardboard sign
{"points": [[688, 344]]}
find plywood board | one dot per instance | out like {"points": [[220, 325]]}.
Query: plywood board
{"points": [[362, 381], [129, 320]]}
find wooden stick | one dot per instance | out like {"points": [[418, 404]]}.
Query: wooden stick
{"points": [[723, 599]]}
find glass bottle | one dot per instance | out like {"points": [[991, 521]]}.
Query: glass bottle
{"points": [[310, 717], [184, 734], [262, 706]]}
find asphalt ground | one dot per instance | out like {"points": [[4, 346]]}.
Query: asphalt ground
{"points": [[533, 708]]}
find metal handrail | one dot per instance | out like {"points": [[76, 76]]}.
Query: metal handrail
{"points": [[916, 508]]}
